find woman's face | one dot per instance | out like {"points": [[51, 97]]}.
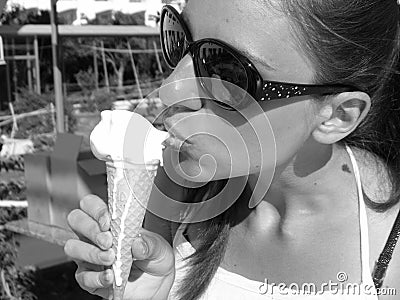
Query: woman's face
{"points": [[218, 143]]}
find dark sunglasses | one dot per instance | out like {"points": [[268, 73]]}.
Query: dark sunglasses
{"points": [[217, 64]]}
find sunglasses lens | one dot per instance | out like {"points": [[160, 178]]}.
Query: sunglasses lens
{"points": [[173, 38], [222, 73]]}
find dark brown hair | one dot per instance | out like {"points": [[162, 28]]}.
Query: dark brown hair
{"points": [[350, 42], [357, 43]]}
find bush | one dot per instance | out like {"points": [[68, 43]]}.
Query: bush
{"points": [[14, 189], [13, 163], [97, 101], [44, 142], [104, 100], [29, 101], [86, 80], [15, 282]]}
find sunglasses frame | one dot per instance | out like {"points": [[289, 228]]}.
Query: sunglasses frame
{"points": [[257, 87]]}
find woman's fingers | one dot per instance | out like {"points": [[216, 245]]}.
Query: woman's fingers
{"points": [[94, 281], [92, 252], [81, 251], [84, 226], [97, 209], [153, 254]]}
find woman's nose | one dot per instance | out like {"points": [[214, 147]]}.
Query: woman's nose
{"points": [[182, 87]]}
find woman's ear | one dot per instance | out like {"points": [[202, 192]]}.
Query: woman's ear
{"points": [[340, 115]]}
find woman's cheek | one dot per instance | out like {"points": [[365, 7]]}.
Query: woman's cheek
{"points": [[227, 152], [212, 158], [220, 148], [290, 135], [208, 158]]}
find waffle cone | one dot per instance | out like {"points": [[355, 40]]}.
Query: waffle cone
{"points": [[129, 188]]}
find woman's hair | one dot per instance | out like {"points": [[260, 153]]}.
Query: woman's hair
{"points": [[350, 42], [357, 43], [212, 239]]}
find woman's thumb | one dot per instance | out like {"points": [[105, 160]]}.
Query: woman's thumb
{"points": [[152, 254]]}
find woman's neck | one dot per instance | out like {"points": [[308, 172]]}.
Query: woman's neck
{"points": [[314, 183]]}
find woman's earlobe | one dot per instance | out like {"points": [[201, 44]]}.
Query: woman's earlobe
{"points": [[348, 110]]}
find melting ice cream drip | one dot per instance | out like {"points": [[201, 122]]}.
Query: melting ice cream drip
{"points": [[119, 175], [118, 264]]}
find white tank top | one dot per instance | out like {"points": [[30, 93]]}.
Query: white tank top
{"points": [[232, 286]]}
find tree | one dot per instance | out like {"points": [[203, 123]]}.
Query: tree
{"points": [[77, 53], [129, 19], [114, 48], [18, 15]]}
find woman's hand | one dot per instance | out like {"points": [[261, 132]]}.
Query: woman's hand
{"points": [[153, 270]]}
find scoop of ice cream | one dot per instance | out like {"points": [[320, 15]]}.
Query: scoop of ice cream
{"points": [[126, 136]]}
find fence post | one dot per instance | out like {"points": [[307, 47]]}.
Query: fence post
{"points": [[135, 71]]}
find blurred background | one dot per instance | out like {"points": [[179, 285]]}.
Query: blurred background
{"points": [[62, 63]]}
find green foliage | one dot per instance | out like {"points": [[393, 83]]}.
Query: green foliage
{"points": [[29, 101], [43, 142], [97, 102], [87, 104], [104, 100], [120, 18], [129, 19], [79, 68], [18, 15], [12, 190], [13, 163], [86, 80], [19, 282], [77, 53]]}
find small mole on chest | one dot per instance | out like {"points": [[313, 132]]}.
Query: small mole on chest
{"points": [[345, 168]]}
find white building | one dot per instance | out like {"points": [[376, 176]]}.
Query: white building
{"points": [[90, 8]]}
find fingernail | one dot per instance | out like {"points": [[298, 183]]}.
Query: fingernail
{"points": [[105, 256], [100, 240], [141, 245], [107, 276], [103, 221]]}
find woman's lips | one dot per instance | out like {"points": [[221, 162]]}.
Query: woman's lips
{"points": [[175, 139], [173, 142]]}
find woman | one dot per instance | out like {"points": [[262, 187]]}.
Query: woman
{"points": [[333, 198]]}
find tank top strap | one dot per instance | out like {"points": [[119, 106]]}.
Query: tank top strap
{"points": [[363, 221]]}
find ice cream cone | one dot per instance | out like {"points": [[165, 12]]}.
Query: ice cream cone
{"points": [[129, 188]]}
